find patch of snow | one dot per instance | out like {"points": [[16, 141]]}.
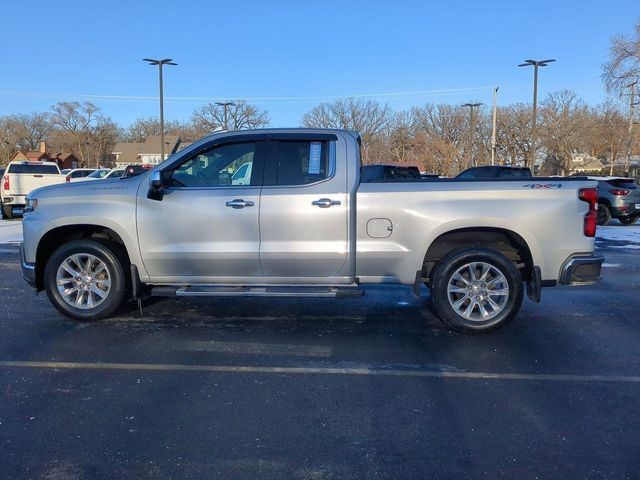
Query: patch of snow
{"points": [[10, 231], [625, 233]]}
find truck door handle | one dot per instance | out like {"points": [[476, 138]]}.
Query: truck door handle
{"points": [[325, 202], [238, 203]]}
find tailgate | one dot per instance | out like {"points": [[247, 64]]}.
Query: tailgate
{"points": [[24, 183]]}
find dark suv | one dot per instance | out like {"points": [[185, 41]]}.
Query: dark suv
{"points": [[494, 171], [618, 197]]}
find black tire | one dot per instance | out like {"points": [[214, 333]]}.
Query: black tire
{"points": [[7, 212], [111, 256], [628, 220], [604, 215], [445, 269]]}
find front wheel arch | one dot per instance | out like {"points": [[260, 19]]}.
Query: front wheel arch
{"points": [[55, 237]]}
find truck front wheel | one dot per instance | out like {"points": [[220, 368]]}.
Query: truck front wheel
{"points": [[476, 290], [85, 279]]}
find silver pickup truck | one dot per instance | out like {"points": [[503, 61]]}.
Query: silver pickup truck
{"points": [[298, 221]]}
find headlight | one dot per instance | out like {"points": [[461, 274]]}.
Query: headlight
{"points": [[31, 205]]}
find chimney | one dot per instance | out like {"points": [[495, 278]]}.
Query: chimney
{"points": [[43, 147]]}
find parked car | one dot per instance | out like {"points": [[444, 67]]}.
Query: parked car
{"points": [[77, 173], [115, 173], [135, 170], [19, 178], [103, 174], [307, 226], [494, 171], [242, 176], [618, 197]]}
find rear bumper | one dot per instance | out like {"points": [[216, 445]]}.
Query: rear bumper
{"points": [[581, 270], [28, 269], [14, 200], [626, 209]]}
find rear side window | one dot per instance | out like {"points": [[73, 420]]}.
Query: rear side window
{"points": [[623, 183], [33, 169], [300, 162]]}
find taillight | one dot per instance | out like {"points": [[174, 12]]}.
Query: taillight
{"points": [[67, 179], [619, 192], [5, 185], [590, 195]]}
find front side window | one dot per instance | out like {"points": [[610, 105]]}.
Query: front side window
{"points": [[221, 166], [301, 162]]}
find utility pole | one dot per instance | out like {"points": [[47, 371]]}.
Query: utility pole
{"points": [[493, 127], [225, 105], [632, 104], [472, 129], [160, 63], [532, 149]]}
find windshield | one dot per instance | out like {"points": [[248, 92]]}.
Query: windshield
{"points": [[98, 174]]}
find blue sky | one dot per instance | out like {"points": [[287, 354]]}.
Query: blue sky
{"points": [[452, 52]]}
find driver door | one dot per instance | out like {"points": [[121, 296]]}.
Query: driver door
{"points": [[206, 227]]}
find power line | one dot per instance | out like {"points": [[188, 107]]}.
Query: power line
{"points": [[141, 98]]}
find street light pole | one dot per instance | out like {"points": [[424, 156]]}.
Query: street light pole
{"points": [[472, 128], [160, 63], [225, 105], [493, 127], [536, 64], [632, 103]]}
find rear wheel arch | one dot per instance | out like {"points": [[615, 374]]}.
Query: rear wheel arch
{"points": [[507, 242], [55, 237]]}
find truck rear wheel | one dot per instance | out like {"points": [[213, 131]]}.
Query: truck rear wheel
{"points": [[7, 212], [85, 279], [476, 290]]}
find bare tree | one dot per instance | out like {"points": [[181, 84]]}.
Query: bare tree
{"points": [[9, 139], [442, 133], [367, 117], [101, 141], [623, 66], [84, 131], [401, 138], [563, 115], [606, 132], [513, 137], [31, 129], [141, 128], [237, 115]]}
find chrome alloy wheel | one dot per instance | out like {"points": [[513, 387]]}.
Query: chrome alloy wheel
{"points": [[83, 281], [478, 291]]}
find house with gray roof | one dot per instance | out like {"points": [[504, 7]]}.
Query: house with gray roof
{"points": [[147, 152]]}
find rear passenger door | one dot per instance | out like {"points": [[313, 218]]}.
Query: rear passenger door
{"points": [[303, 210]]}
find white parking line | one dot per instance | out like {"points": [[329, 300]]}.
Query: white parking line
{"points": [[160, 367], [256, 348]]}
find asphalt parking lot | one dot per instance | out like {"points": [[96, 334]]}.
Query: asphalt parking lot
{"points": [[322, 389]]}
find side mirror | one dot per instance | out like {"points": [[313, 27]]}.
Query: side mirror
{"points": [[156, 188]]}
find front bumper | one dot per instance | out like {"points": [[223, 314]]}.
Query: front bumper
{"points": [[581, 270], [28, 269]]}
